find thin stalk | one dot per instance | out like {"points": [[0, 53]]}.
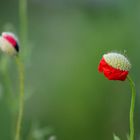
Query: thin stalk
{"points": [[23, 29], [8, 89], [21, 97], [23, 20], [132, 107]]}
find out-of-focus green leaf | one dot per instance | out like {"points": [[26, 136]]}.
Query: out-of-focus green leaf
{"points": [[116, 137], [39, 133]]}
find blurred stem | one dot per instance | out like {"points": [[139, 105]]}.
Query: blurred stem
{"points": [[23, 20], [21, 97], [9, 98], [8, 91], [6, 79], [132, 107]]}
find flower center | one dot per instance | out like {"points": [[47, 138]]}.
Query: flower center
{"points": [[117, 61]]}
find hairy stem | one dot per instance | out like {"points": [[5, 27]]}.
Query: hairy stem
{"points": [[21, 97], [132, 107]]}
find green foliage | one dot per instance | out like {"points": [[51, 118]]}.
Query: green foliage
{"points": [[116, 137], [39, 133]]}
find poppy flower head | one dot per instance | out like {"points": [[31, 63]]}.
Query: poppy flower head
{"points": [[9, 43], [115, 66]]}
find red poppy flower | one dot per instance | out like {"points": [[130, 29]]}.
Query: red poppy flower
{"points": [[115, 66]]}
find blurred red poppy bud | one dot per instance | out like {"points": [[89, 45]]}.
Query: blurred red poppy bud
{"points": [[115, 66], [9, 43]]}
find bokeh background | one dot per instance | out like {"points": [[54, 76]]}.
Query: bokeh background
{"points": [[66, 97]]}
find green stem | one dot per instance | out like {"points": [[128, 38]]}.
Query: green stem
{"points": [[21, 97], [132, 107], [23, 20]]}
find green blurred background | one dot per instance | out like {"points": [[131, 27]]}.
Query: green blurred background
{"points": [[66, 97]]}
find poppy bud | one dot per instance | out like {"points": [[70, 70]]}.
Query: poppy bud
{"points": [[9, 43], [115, 66]]}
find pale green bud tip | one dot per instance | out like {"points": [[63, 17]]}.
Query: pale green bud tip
{"points": [[117, 60]]}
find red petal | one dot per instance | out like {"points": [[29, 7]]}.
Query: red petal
{"points": [[10, 39], [110, 72]]}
